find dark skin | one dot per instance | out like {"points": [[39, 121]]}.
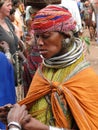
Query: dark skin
{"points": [[48, 50], [24, 119]]}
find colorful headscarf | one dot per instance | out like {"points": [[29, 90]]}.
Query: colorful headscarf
{"points": [[53, 18]]}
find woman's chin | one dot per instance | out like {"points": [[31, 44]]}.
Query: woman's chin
{"points": [[45, 56]]}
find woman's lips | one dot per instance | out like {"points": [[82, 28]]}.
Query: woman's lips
{"points": [[42, 51]]}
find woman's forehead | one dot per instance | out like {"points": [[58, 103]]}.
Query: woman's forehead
{"points": [[3, 1], [7, 1], [46, 33]]}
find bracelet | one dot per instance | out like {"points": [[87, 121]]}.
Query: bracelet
{"points": [[15, 124], [13, 129], [55, 128]]}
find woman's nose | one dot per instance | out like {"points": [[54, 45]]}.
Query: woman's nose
{"points": [[40, 41], [10, 7]]}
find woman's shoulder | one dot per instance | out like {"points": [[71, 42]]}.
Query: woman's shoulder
{"points": [[10, 23]]}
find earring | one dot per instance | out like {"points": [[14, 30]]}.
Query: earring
{"points": [[65, 42]]}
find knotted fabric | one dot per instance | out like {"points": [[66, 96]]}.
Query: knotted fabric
{"points": [[80, 92]]}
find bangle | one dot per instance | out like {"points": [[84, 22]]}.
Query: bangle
{"points": [[13, 129], [15, 124], [55, 128]]}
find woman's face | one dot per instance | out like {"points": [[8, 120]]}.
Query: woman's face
{"points": [[6, 7], [49, 44]]}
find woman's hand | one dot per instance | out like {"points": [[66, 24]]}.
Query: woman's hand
{"points": [[3, 113], [18, 114]]}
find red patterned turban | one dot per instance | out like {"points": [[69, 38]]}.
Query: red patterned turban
{"points": [[53, 18]]}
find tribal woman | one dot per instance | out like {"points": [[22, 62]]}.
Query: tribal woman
{"points": [[64, 91]]}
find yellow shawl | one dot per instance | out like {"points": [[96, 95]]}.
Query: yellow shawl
{"points": [[80, 92]]}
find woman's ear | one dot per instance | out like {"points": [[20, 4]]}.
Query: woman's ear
{"points": [[66, 42]]}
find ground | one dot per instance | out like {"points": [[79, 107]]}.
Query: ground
{"points": [[93, 55]]}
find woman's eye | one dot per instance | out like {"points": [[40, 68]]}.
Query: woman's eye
{"points": [[45, 36], [37, 36]]}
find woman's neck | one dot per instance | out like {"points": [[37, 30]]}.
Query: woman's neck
{"points": [[2, 19], [2, 22]]}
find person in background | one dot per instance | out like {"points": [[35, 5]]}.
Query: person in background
{"points": [[71, 5], [7, 84], [28, 13], [7, 31], [80, 6], [19, 16], [31, 56], [64, 91], [94, 4], [12, 18], [31, 60], [6, 27], [87, 13]]}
